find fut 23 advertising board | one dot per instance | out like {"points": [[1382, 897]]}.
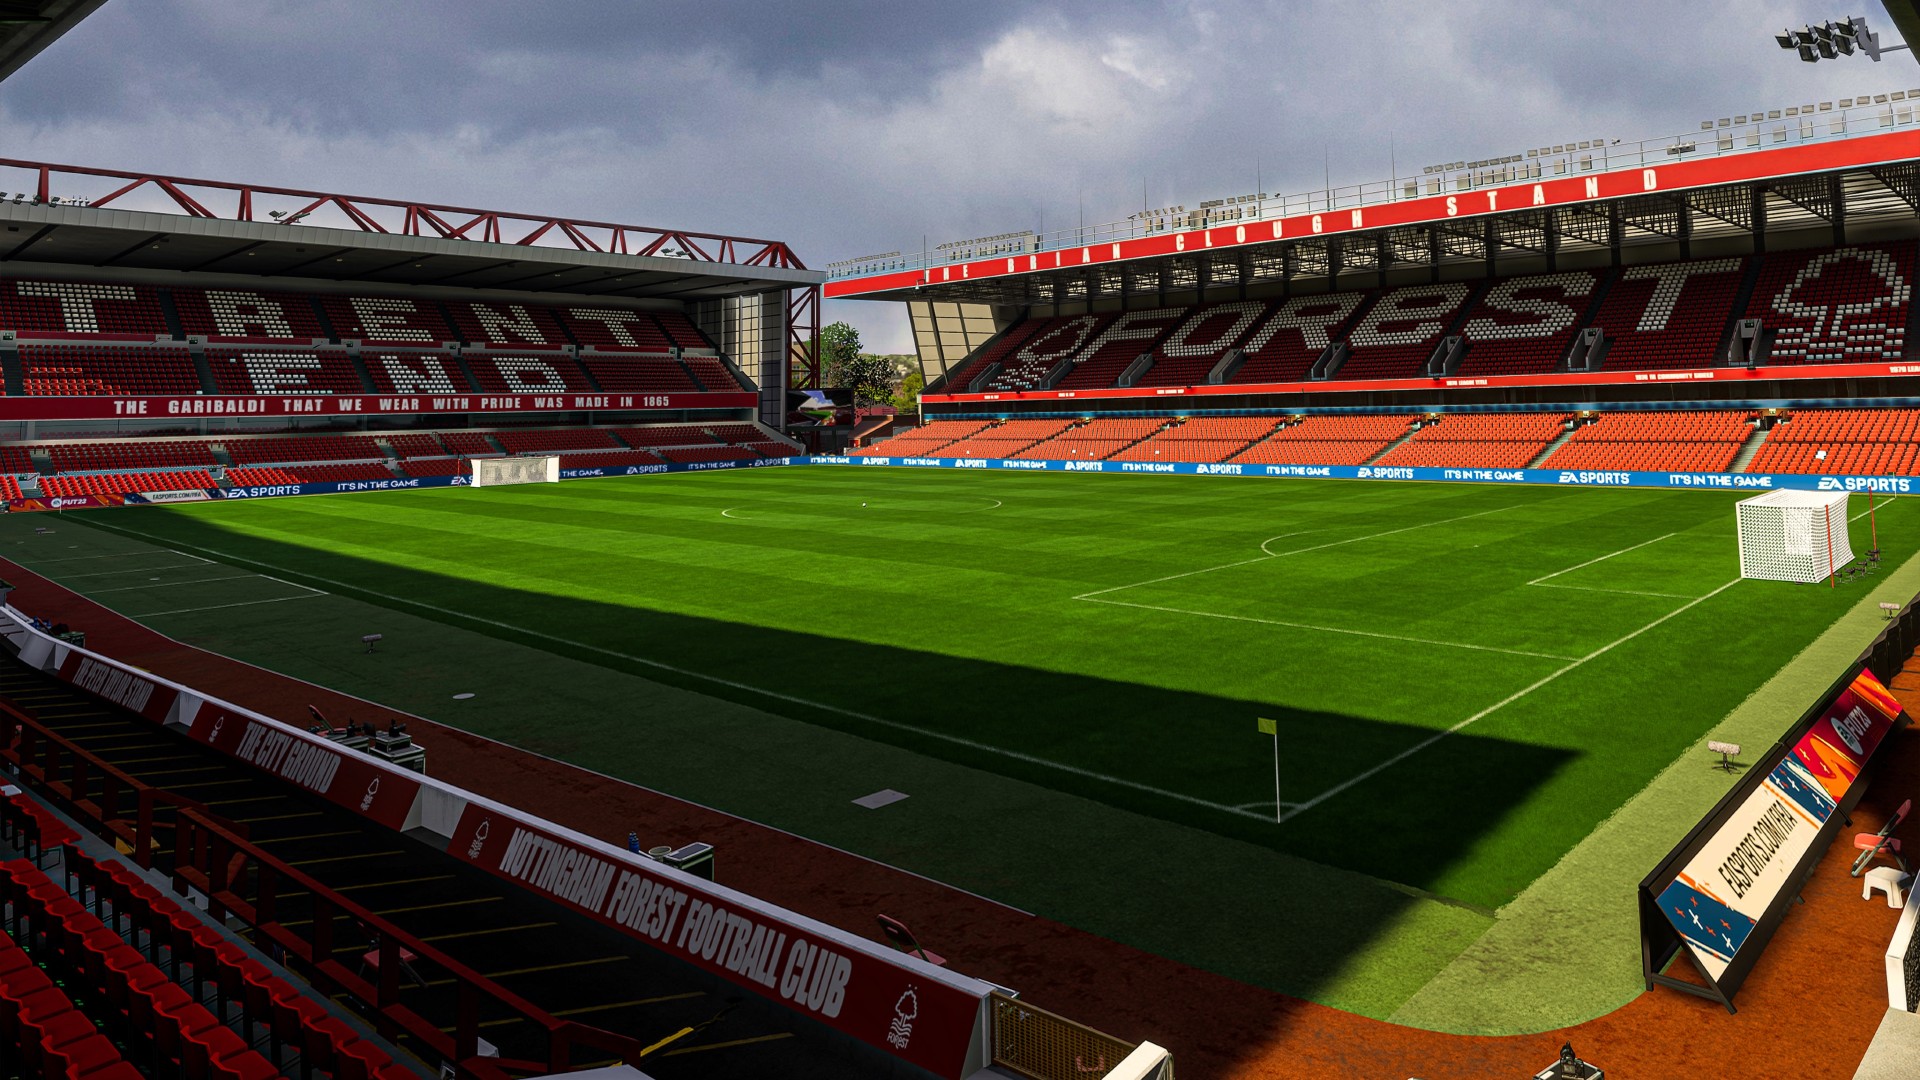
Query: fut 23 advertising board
{"points": [[1716, 900], [916, 1017]]}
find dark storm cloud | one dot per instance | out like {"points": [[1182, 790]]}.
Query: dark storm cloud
{"points": [[858, 126]]}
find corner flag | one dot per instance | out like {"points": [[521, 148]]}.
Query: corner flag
{"points": [[1272, 727]]}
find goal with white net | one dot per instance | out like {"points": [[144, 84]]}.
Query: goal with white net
{"points": [[497, 472], [1793, 535]]}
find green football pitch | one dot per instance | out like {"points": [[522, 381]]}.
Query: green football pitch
{"points": [[1464, 680]]}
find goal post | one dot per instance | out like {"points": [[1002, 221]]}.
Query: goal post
{"points": [[1793, 535], [498, 472]]}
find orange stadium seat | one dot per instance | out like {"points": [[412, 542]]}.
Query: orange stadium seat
{"points": [[923, 441], [1005, 439], [1860, 442], [1479, 441], [1679, 441], [1095, 440], [1327, 440]]}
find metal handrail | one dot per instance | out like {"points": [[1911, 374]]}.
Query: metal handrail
{"points": [[211, 854]]}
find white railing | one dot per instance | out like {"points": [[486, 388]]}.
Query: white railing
{"points": [[1900, 109]]}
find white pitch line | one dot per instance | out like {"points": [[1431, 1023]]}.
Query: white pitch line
{"points": [[714, 679], [1601, 559], [142, 570], [996, 504], [170, 584], [1191, 573], [1869, 510], [195, 558], [218, 607], [1283, 554], [1332, 629], [1622, 592], [1389, 532], [115, 555], [293, 584], [1491, 709]]}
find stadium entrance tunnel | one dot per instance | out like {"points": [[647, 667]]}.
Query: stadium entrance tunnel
{"points": [[1352, 866]]}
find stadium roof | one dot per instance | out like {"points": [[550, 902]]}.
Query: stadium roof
{"points": [[1810, 168], [29, 26], [1906, 19], [107, 219]]}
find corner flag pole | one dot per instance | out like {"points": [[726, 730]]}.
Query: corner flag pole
{"points": [[1271, 727]]}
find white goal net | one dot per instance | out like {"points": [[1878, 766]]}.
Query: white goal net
{"points": [[1793, 535], [495, 472]]}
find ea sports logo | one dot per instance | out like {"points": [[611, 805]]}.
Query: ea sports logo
{"points": [[1828, 483]]}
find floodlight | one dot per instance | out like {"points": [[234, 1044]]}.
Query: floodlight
{"points": [[276, 214], [1846, 30], [1785, 38], [1803, 36], [1827, 51]]}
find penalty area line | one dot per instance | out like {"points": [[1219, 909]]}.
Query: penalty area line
{"points": [[1331, 629], [1493, 708], [1602, 559], [347, 588]]}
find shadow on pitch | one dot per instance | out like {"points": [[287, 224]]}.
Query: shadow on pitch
{"points": [[1410, 825]]}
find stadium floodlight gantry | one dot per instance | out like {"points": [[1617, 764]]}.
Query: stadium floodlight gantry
{"points": [[1778, 254], [136, 295]]}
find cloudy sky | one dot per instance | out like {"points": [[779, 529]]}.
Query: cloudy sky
{"points": [[848, 127]]}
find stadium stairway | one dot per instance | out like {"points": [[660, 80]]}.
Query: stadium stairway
{"points": [[548, 956], [1559, 441], [1390, 447], [689, 373], [202, 368], [1749, 449], [15, 375], [360, 369]]}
